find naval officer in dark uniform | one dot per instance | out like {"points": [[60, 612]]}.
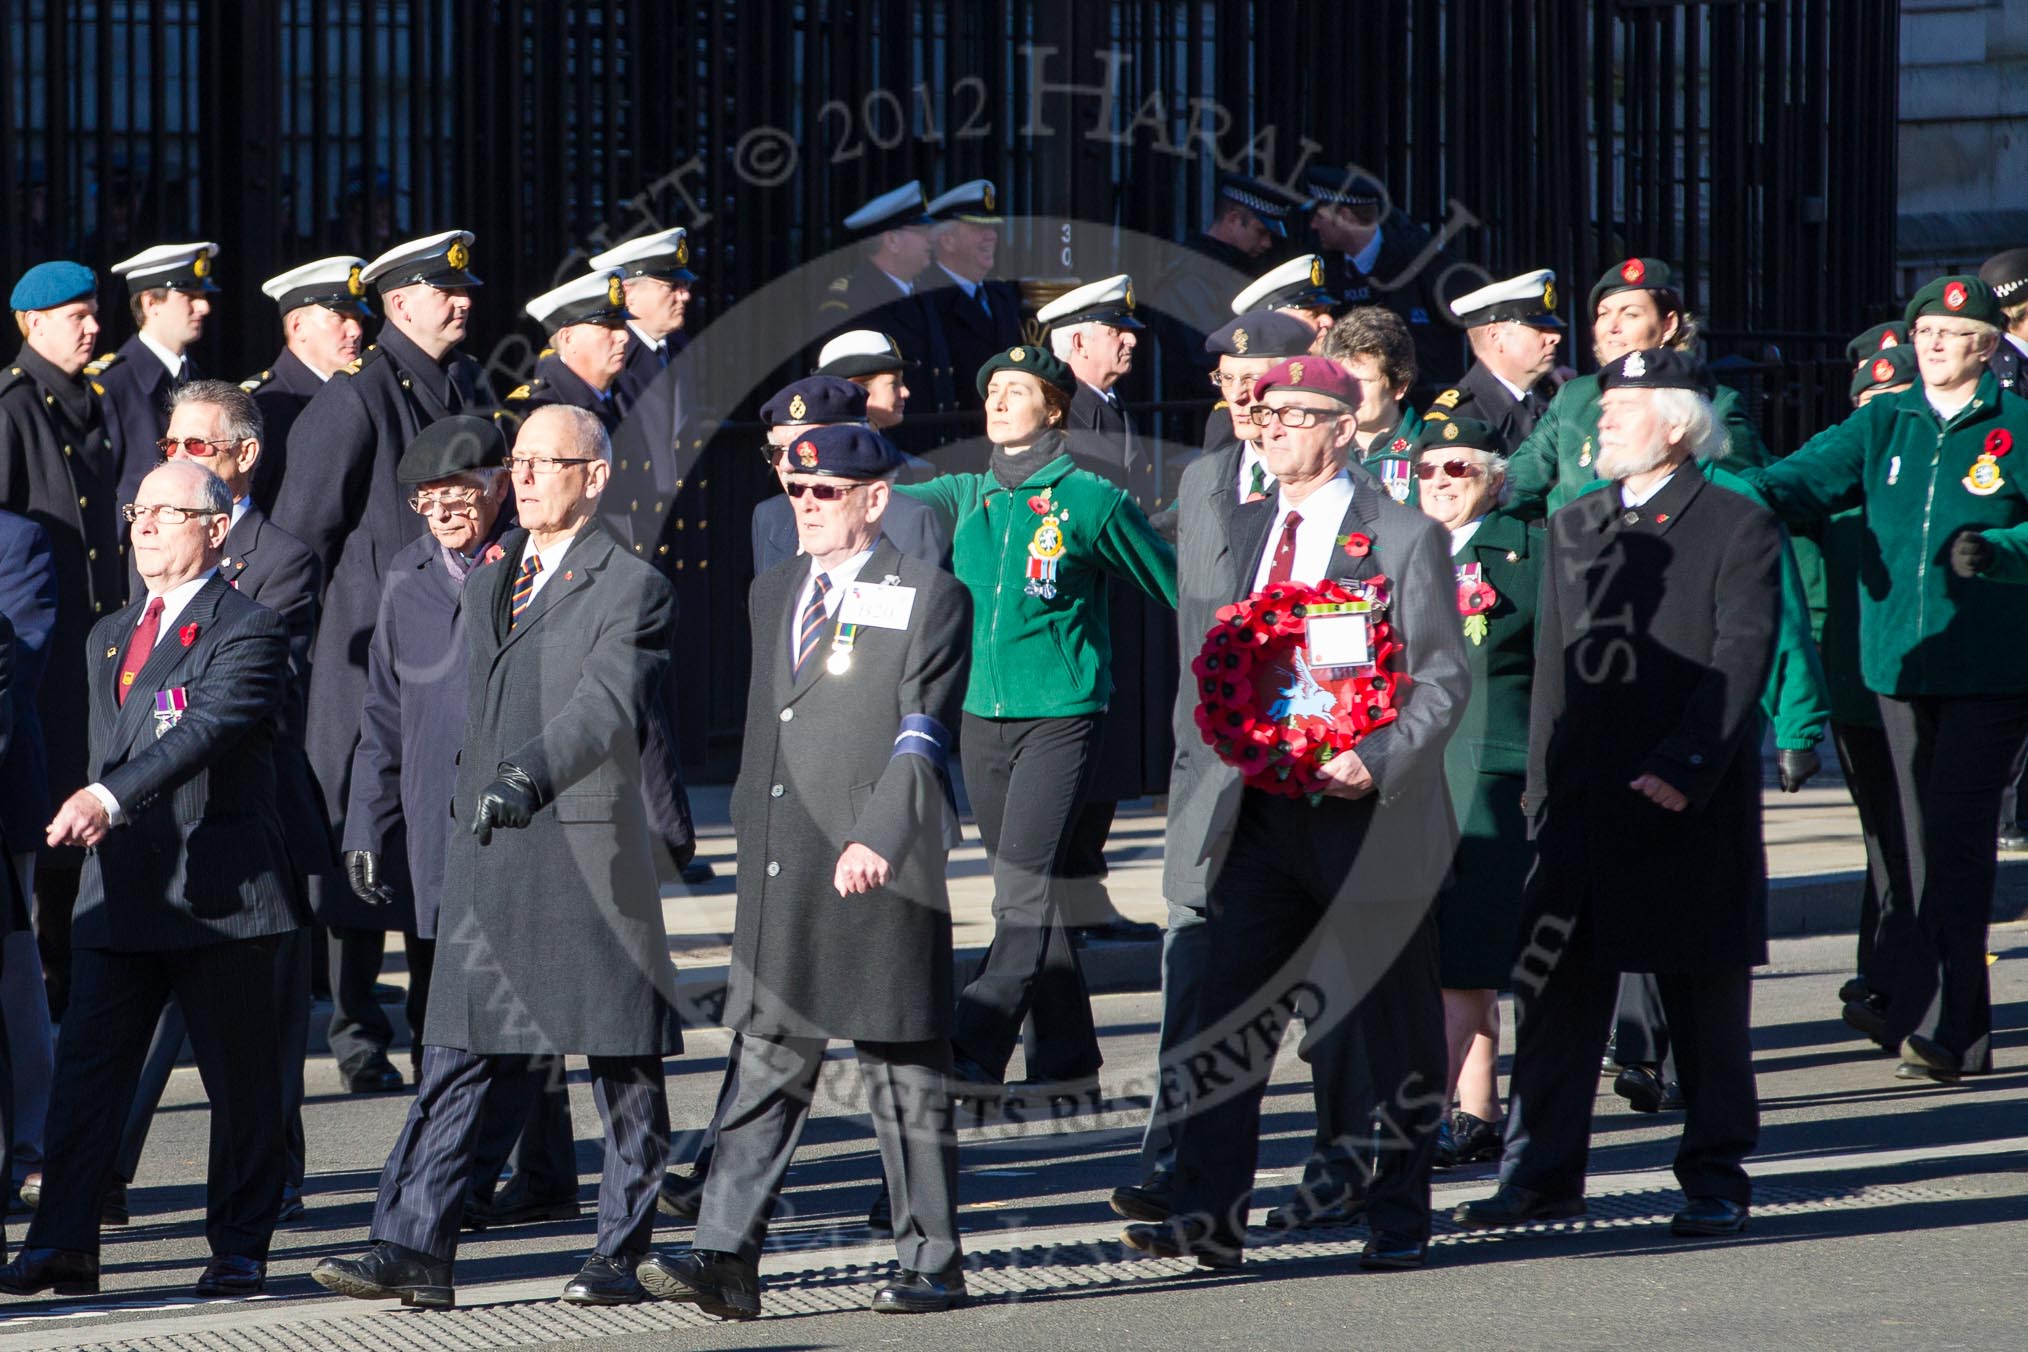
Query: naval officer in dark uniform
{"points": [[323, 307], [655, 272], [586, 320], [882, 292], [169, 290], [1515, 334], [981, 313]]}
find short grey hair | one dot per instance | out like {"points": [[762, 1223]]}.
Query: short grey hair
{"points": [[587, 433], [1059, 337], [243, 420], [1691, 412]]}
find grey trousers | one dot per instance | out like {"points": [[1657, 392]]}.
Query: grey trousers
{"points": [[910, 1106]]}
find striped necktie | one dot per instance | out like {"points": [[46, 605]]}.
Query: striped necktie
{"points": [[524, 588], [810, 625]]}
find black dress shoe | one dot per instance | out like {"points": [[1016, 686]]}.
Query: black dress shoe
{"points": [[1855, 988], [228, 1274], [1516, 1206], [65, 1271], [1868, 1017], [292, 1206], [1300, 1213], [717, 1283], [697, 871], [370, 1073], [1183, 1237], [388, 1271], [681, 1195], [1152, 1201], [1708, 1216], [1924, 1060], [880, 1215], [913, 1292], [1641, 1086], [1474, 1140], [1121, 930], [513, 1206], [606, 1281], [1393, 1253]]}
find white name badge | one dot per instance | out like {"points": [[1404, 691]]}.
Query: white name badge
{"points": [[1339, 640], [876, 605]]}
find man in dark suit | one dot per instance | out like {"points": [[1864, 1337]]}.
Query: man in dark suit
{"points": [[658, 283], [1656, 634], [981, 313], [1343, 885], [881, 291], [217, 425], [1515, 333], [58, 468], [187, 891], [323, 307], [344, 500], [169, 290], [567, 645], [860, 656]]}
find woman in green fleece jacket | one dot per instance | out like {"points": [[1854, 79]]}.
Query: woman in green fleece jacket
{"points": [[1034, 540]]}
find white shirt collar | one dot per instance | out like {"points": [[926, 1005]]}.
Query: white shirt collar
{"points": [[1249, 456], [2020, 343], [239, 506], [1316, 534], [966, 284], [1628, 496], [1106, 395], [163, 355], [174, 601], [906, 288], [1367, 257], [1462, 536], [1508, 385], [654, 344]]}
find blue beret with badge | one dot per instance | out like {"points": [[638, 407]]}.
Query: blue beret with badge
{"points": [[1262, 333], [842, 451], [48, 285], [815, 399]]}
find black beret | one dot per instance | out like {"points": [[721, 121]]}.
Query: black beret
{"points": [[1262, 333], [1656, 368], [1039, 362], [845, 451], [815, 399], [450, 446]]}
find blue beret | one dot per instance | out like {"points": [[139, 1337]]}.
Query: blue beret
{"points": [[48, 285], [1262, 333], [815, 399], [847, 451]]}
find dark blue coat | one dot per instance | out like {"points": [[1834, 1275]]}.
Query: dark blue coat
{"points": [[643, 364], [137, 388], [28, 601], [281, 392]]}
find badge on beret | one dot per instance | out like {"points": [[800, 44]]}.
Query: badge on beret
{"points": [[614, 296], [458, 255], [1889, 339], [1017, 354], [1954, 296], [1883, 371], [1450, 432], [1636, 366], [1316, 271], [1631, 272], [352, 282], [797, 408], [1549, 295], [1239, 341], [683, 251], [1295, 373], [807, 453]]}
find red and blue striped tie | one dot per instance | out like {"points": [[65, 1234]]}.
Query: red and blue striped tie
{"points": [[524, 588], [810, 626]]}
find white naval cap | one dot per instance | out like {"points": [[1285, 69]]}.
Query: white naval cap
{"points": [[1528, 299], [975, 202], [903, 206], [439, 260], [1296, 284], [595, 298], [175, 267], [665, 254], [1108, 302], [334, 283], [859, 352]]}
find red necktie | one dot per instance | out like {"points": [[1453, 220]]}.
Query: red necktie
{"points": [[1285, 550], [138, 647]]}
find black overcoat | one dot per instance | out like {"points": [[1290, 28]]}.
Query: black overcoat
{"points": [[135, 388], [281, 392], [825, 761], [28, 601], [1655, 635]]}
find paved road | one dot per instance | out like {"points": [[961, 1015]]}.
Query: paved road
{"points": [[1888, 1217]]}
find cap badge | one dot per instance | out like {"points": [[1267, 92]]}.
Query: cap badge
{"points": [[1954, 296], [614, 295], [1549, 295], [683, 251], [1889, 339], [1635, 366], [1632, 271], [201, 265], [986, 197], [1239, 341], [1316, 271], [1450, 431], [1295, 373], [352, 282], [1017, 354], [806, 452], [1130, 295], [1883, 371], [458, 255], [797, 408]]}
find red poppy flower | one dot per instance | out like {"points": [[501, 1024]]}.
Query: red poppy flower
{"points": [[1999, 441], [188, 633], [1356, 545], [494, 553], [1039, 505], [1476, 598]]}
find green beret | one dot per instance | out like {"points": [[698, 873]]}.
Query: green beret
{"points": [[1458, 434], [1039, 362], [1959, 298], [1889, 366], [1639, 274]]}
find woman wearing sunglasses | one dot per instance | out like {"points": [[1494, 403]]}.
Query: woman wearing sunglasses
{"points": [[1461, 477], [1035, 539]]}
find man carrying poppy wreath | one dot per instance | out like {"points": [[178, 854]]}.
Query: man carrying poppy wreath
{"points": [[1347, 874]]}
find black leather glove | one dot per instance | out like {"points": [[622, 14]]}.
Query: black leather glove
{"points": [[1971, 554], [1796, 767], [507, 803], [362, 870]]}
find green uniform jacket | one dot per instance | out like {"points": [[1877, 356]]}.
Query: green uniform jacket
{"points": [[1552, 464], [1797, 700], [1923, 630], [1392, 457], [1037, 655]]}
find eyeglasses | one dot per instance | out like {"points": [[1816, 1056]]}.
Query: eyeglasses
{"points": [[168, 516], [1231, 382], [197, 446], [1455, 469], [821, 492], [543, 464], [1926, 333], [1290, 415], [464, 502]]}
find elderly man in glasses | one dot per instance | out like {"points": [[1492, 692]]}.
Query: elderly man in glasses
{"points": [[187, 891]]}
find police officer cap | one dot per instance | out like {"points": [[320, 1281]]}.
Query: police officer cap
{"points": [[1269, 201], [1313, 375], [450, 446], [1639, 274], [859, 352], [2007, 274], [815, 399], [1459, 434], [1958, 298], [1344, 187], [1655, 368], [1262, 333], [1888, 367], [1879, 338], [844, 451], [1039, 362], [48, 285]]}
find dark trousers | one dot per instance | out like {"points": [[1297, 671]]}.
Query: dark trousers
{"points": [[728, 1089], [1081, 890], [292, 1004], [422, 1189], [1026, 776], [359, 1025], [1559, 1032], [1266, 929], [1886, 911], [1952, 757], [541, 1141], [2010, 797], [1641, 1027], [227, 991], [56, 882], [907, 1099], [1186, 952]]}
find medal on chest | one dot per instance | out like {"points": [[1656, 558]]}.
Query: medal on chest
{"points": [[1984, 478], [1584, 453], [1046, 547], [1475, 597], [169, 707], [1398, 475]]}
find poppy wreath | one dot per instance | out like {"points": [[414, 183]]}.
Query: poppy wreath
{"points": [[1250, 663]]}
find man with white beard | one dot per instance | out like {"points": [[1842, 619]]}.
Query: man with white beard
{"points": [[1656, 632]]}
